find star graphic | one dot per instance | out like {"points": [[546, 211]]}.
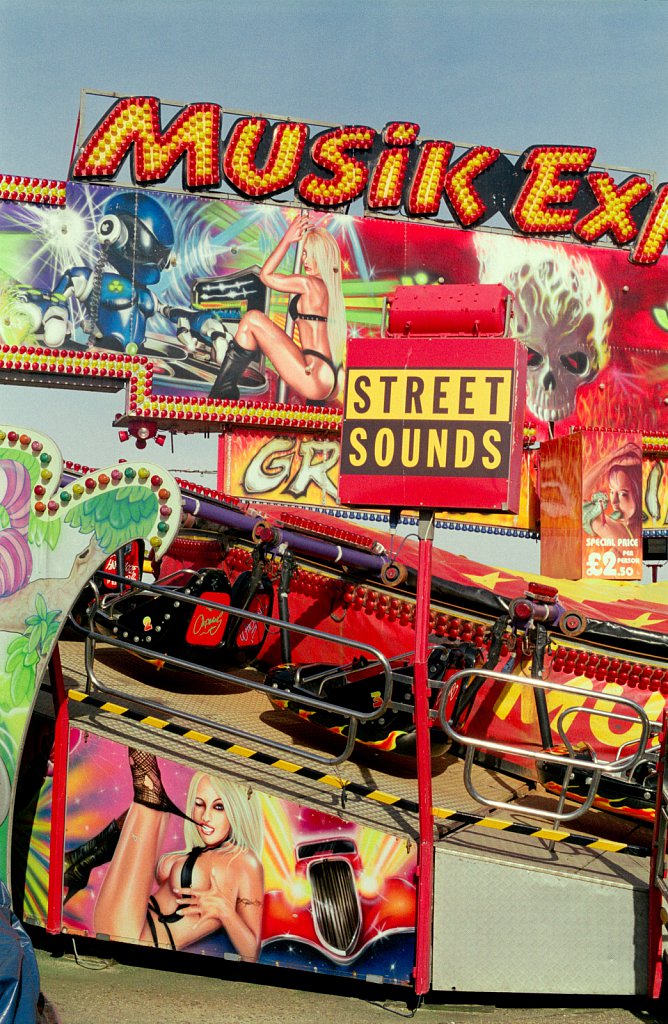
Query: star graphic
{"points": [[644, 621], [491, 580]]}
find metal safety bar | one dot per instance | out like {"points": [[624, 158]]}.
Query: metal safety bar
{"points": [[567, 761], [661, 840], [93, 637], [661, 819], [658, 891]]}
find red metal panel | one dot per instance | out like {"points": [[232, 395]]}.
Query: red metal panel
{"points": [[473, 310]]}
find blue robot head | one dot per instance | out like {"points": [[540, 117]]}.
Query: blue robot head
{"points": [[138, 235]]}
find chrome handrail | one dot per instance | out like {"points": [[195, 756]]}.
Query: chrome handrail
{"points": [[569, 762], [93, 636]]}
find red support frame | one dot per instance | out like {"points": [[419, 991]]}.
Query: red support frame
{"points": [[655, 937], [54, 912], [425, 888]]}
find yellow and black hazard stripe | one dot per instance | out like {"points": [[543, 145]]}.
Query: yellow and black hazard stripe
{"points": [[347, 787]]}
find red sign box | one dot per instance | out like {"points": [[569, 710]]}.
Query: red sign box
{"points": [[433, 423]]}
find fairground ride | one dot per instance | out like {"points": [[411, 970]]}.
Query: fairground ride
{"points": [[259, 722]]}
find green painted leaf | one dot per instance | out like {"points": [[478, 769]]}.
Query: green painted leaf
{"points": [[52, 533], [15, 659], [116, 517], [52, 617], [22, 685], [33, 640]]}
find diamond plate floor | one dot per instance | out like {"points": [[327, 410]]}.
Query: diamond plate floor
{"points": [[231, 709]]}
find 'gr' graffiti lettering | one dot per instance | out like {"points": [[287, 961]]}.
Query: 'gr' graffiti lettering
{"points": [[292, 465]]}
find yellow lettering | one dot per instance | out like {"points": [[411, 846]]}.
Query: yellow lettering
{"points": [[464, 449], [410, 447], [470, 395], [512, 695], [557, 702], [384, 447], [437, 448], [134, 121], [357, 439], [493, 459]]}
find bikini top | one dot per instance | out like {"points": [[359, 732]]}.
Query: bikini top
{"points": [[296, 315]]}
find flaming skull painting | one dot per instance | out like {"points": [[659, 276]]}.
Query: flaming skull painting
{"points": [[563, 316]]}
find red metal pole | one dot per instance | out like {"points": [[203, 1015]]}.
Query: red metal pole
{"points": [[655, 937], [58, 796], [425, 888]]}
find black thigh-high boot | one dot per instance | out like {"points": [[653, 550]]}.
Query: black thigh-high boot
{"points": [[80, 862], [233, 365]]}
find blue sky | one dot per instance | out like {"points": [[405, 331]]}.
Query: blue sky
{"points": [[507, 73]]}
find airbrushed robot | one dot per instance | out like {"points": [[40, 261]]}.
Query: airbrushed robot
{"points": [[136, 246]]}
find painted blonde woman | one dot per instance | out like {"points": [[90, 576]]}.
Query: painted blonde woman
{"points": [[217, 882], [311, 368]]}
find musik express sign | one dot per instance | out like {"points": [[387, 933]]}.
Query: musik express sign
{"points": [[433, 423], [550, 191]]}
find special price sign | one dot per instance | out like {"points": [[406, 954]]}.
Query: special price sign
{"points": [[433, 423]]}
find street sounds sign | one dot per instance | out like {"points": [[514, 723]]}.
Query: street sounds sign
{"points": [[433, 423]]}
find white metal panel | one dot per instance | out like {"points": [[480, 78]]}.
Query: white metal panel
{"points": [[510, 916]]}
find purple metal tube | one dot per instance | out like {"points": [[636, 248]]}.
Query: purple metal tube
{"points": [[299, 542], [302, 543]]}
